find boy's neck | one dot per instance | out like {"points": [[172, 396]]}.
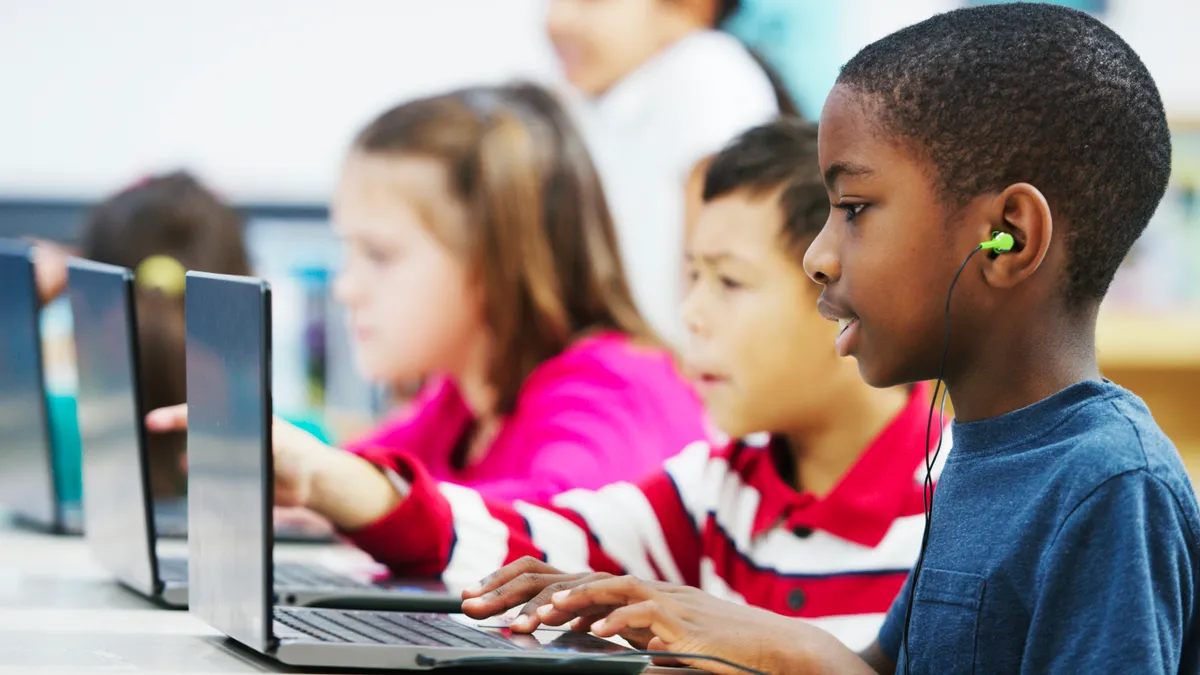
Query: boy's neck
{"points": [[822, 453], [1021, 364]]}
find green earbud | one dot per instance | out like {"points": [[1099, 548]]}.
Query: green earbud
{"points": [[1001, 242]]}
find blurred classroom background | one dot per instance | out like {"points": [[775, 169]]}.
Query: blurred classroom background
{"points": [[259, 99]]}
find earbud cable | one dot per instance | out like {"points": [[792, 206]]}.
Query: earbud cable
{"points": [[927, 490]]}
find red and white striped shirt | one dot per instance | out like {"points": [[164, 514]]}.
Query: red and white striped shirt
{"points": [[721, 519]]}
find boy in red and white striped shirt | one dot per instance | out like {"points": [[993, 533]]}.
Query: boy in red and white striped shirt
{"points": [[814, 511], [820, 519]]}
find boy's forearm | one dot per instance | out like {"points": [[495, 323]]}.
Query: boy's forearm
{"points": [[351, 492]]}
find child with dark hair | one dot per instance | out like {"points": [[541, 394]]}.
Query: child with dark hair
{"points": [[159, 227], [989, 168]]}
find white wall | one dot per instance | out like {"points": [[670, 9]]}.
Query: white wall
{"points": [[258, 96], [261, 96], [1163, 32]]}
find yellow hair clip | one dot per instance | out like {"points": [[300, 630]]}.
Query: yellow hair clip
{"points": [[162, 272]]}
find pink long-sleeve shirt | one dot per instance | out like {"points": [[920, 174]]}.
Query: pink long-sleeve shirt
{"points": [[605, 410]]}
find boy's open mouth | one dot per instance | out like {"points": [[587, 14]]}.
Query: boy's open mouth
{"points": [[847, 338]]}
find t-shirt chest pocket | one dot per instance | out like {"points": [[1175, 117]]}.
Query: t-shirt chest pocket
{"points": [[945, 617]]}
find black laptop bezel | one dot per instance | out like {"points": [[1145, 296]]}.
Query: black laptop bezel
{"points": [[146, 516]]}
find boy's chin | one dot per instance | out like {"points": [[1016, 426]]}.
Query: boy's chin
{"points": [[879, 376], [731, 426]]}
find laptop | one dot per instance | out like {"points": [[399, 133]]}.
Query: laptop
{"points": [[27, 467], [228, 321], [111, 429], [230, 498], [118, 507]]}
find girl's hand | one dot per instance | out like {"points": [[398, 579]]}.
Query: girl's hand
{"points": [[338, 485], [49, 271]]}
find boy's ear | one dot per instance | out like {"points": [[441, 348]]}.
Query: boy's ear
{"points": [[1022, 211]]}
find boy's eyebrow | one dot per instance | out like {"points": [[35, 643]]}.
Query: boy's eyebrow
{"points": [[839, 169], [709, 258]]}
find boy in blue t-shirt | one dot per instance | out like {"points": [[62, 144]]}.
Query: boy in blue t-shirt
{"points": [[1065, 534]]}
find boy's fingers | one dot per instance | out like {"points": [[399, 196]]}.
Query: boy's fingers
{"points": [[613, 591], [491, 582], [517, 592], [548, 615], [583, 624], [172, 418], [646, 615]]}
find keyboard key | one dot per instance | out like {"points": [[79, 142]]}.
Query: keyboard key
{"points": [[299, 625]]}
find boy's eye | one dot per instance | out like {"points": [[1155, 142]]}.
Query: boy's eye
{"points": [[852, 210], [729, 283], [375, 255]]}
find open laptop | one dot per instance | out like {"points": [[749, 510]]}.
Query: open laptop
{"points": [[27, 467], [111, 429], [116, 462], [228, 321], [230, 498]]}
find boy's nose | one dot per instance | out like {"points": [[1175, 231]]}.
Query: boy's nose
{"points": [[820, 261], [692, 316]]}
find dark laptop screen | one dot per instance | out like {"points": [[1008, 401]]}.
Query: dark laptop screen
{"points": [[26, 472], [229, 459], [116, 481]]}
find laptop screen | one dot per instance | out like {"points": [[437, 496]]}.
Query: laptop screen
{"points": [[229, 457], [26, 472], [116, 480]]}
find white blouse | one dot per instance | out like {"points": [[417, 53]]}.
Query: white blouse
{"points": [[648, 132]]}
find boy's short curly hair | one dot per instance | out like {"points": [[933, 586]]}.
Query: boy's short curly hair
{"points": [[1037, 93]]}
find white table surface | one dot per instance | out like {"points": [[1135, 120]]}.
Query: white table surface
{"points": [[60, 614]]}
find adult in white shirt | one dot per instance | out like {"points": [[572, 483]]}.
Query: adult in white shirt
{"points": [[656, 90]]}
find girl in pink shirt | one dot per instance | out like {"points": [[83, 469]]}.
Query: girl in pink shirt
{"points": [[481, 258], [600, 412]]}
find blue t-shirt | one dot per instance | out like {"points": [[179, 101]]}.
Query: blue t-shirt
{"points": [[1065, 538]]}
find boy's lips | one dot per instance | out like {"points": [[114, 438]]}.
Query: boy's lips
{"points": [[847, 320]]}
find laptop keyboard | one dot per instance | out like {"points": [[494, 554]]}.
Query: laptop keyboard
{"points": [[293, 575], [389, 628], [299, 575]]}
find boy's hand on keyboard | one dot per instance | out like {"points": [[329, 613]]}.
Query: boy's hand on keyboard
{"points": [[529, 582], [683, 619]]}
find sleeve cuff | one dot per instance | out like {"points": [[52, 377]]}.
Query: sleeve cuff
{"points": [[414, 538]]}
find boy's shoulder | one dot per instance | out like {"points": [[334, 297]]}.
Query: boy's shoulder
{"points": [[1110, 446]]}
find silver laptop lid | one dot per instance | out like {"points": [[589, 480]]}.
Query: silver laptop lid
{"points": [[26, 464], [230, 466], [119, 525]]}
